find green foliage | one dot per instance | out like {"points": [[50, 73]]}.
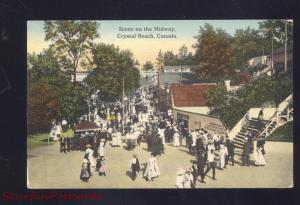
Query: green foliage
{"points": [[182, 58], [275, 29], [71, 38], [232, 106], [148, 66], [111, 66], [48, 73], [214, 52], [159, 60], [246, 44]]}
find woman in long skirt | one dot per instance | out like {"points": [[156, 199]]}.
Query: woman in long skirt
{"points": [[85, 173], [223, 153], [259, 157], [89, 153], [152, 169], [176, 141], [114, 137]]}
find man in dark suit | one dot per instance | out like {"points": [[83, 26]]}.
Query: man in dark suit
{"points": [[62, 141], [68, 144], [230, 148], [201, 161], [246, 152]]}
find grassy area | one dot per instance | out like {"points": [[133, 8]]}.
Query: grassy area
{"points": [[41, 139], [38, 140], [283, 134]]}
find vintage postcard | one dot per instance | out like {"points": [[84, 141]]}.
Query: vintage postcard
{"points": [[160, 104]]}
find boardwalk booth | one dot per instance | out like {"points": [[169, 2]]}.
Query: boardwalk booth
{"points": [[81, 128]]}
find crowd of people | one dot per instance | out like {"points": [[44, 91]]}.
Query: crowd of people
{"points": [[147, 124]]}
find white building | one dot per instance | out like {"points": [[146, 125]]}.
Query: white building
{"points": [[178, 69], [80, 76]]}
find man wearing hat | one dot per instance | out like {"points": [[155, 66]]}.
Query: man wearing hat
{"points": [[246, 152]]}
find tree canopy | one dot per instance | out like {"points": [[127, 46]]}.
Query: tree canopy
{"points": [[111, 66], [214, 53], [71, 38], [148, 66], [49, 75]]}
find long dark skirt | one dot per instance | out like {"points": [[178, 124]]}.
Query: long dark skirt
{"points": [[85, 174]]}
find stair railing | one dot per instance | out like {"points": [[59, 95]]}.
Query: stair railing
{"points": [[283, 106]]}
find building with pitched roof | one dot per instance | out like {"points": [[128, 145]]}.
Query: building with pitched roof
{"points": [[189, 105]]}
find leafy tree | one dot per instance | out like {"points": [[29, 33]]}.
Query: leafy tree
{"points": [[246, 44], [170, 59], [42, 106], [148, 66], [71, 38], [275, 29], [214, 52], [50, 68], [160, 60], [183, 51], [111, 65]]}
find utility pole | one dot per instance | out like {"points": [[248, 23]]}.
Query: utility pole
{"points": [[285, 48], [272, 64], [158, 94]]}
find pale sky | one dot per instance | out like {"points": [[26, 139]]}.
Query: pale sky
{"points": [[143, 49]]}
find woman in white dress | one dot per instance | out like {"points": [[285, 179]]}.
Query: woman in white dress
{"points": [[101, 148], [114, 138], [223, 154], [176, 141], [188, 179], [119, 138], [152, 169], [259, 157], [180, 178], [89, 152]]}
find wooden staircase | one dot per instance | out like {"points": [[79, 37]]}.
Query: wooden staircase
{"points": [[265, 128], [254, 126]]}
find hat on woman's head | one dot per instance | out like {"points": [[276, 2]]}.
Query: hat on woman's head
{"points": [[88, 146]]}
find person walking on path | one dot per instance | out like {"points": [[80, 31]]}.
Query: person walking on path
{"points": [[230, 149], [135, 167], [85, 172], [152, 169], [246, 153], [211, 164]]}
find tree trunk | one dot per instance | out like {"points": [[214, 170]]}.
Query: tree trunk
{"points": [[74, 70]]}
